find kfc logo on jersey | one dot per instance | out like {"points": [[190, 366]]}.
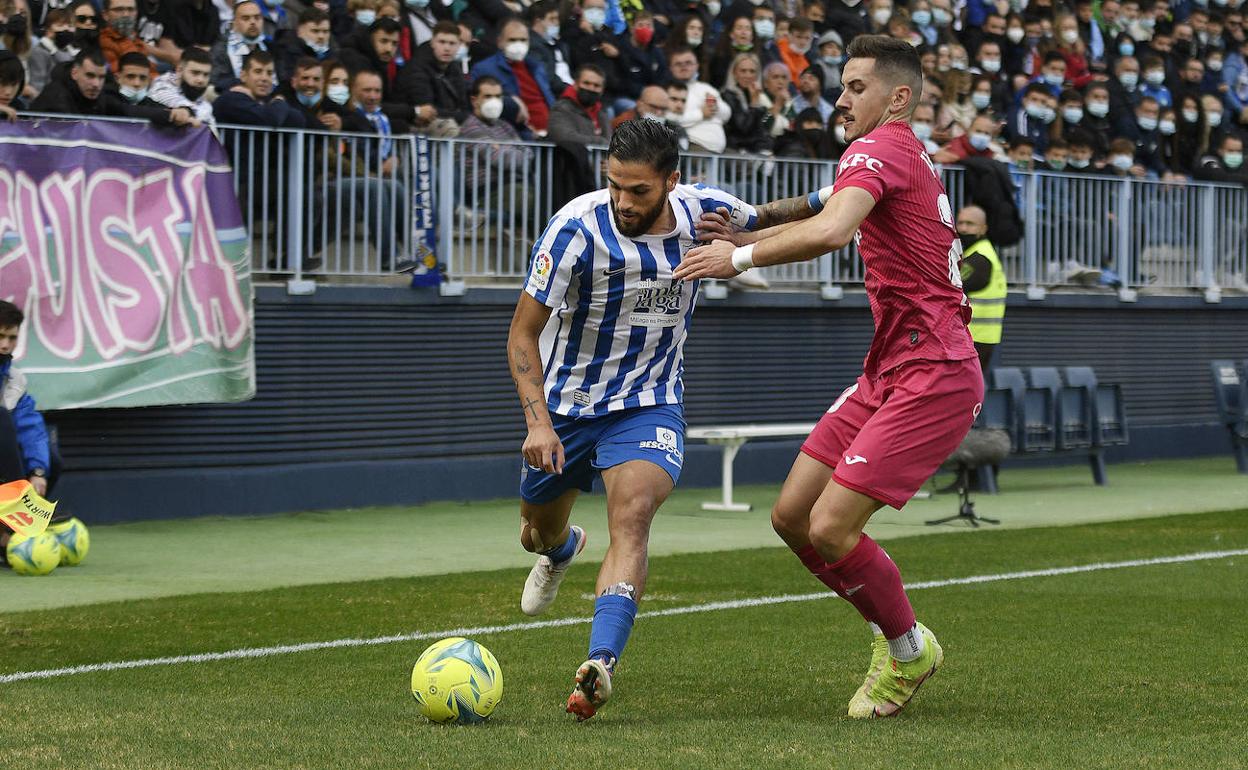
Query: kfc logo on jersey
{"points": [[861, 159]]}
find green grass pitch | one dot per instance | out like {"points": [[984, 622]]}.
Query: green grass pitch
{"points": [[1134, 667]]}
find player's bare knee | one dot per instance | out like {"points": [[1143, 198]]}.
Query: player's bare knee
{"points": [[831, 538], [787, 524]]}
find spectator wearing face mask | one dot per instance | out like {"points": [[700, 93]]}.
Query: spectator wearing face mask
{"points": [[1074, 50], [310, 40], [807, 140], [795, 47], [547, 45], [1121, 160], [503, 158], [360, 14], [922, 122], [576, 117], [736, 39], [1097, 119], [1146, 136], [1154, 82], [305, 90], [641, 63], [1081, 155], [979, 142], [185, 86], [56, 46], [527, 97], [1031, 118], [1052, 74], [120, 37], [1124, 89], [764, 21], [831, 52], [1225, 163], [1057, 156]]}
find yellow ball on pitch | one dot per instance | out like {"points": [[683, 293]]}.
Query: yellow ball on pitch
{"points": [[75, 541], [457, 680], [36, 555]]}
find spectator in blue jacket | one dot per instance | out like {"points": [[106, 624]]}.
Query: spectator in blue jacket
{"points": [[24, 452], [527, 97]]}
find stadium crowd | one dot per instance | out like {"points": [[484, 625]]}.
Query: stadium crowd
{"points": [[1149, 88]]}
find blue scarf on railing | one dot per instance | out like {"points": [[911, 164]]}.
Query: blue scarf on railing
{"points": [[382, 124]]}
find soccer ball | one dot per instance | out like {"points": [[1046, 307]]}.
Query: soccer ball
{"points": [[75, 541], [36, 555], [457, 680]]}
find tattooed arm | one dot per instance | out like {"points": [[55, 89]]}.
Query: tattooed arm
{"points": [[542, 448], [784, 211]]}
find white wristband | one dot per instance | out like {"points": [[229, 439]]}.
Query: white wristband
{"points": [[743, 257]]}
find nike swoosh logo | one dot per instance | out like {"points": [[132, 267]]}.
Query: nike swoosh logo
{"points": [[609, 272], [855, 589], [854, 460]]}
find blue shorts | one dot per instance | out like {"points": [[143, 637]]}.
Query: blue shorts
{"points": [[592, 444]]}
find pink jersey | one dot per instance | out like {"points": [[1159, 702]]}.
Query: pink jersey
{"points": [[910, 249]]}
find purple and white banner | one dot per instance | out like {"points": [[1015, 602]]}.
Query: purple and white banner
{"points": [[124, 246]]}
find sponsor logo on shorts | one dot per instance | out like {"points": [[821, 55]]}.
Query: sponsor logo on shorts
{"points": [[854, 460], [665, 440]]}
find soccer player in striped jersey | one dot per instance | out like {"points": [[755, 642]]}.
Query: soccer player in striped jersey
{"points": [[921, 385], [596, 353]]}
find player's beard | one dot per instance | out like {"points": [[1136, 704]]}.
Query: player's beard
{"points": [[642, 222]]}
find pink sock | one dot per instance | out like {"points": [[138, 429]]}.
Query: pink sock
{"points": [[869, 580]]}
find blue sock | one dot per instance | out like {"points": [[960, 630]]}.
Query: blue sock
{"points": [[562, 553], [613, 622]]}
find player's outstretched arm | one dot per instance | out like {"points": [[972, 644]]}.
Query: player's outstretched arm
{"points": [[715, 226], [542, 448], [830, 229], [784, 211]]}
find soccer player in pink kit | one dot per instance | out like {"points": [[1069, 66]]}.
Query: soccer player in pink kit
{"points": [[921, 385]]}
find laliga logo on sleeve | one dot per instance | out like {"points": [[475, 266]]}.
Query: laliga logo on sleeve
{"points": [[543, 266]]}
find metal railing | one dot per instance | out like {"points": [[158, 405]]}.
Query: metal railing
{"points": [[339, 204]]}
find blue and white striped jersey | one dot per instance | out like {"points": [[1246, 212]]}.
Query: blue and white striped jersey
{"points": [[616, 336]]}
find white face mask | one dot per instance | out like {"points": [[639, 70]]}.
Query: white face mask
{"points": [[1098, 109], [881, 16], [133, 95], [800, 50], [365, 18], [492, 108], [713, 8], [980, 100], [1069, 36], [1166, 127], [980, 141], [1015, 34], [1214, 119], [839, 131], [1191, 116], [991, 66], [764, 29], [516, 51], [1122, 162], [696, 40], [338, 93], [1072, 114], [922, 130], [596, 17]]}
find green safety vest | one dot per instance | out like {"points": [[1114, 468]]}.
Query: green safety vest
{"points": [[987, 304]]}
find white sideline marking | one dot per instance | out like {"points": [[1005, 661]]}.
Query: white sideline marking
{"points": [[287, 649]]}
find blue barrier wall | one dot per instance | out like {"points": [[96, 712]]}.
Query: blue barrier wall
{"points": [[374, 396]]}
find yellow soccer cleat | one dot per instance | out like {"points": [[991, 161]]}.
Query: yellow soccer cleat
{"points": [[879, 658], [898, 682]]}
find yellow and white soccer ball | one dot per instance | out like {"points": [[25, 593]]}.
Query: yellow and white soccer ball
{"points": [[75, 541], [457, 680], [36, 555]]}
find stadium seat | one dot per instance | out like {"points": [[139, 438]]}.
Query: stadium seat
{"points": [[1035, 420], [1230, 392], [1109, 421], [1073, 408]]}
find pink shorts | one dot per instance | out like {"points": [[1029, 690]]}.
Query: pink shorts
{"points": [[884, 437]]}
